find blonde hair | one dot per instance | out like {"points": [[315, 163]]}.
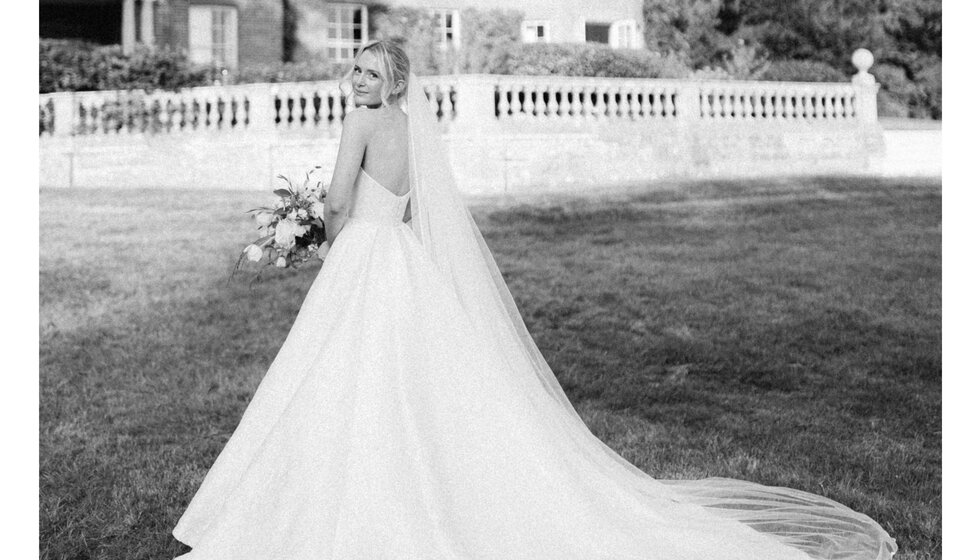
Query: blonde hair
{"points": [[394, 67]]}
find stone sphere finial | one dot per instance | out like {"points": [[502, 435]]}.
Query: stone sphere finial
{"points": [[862, 59]]}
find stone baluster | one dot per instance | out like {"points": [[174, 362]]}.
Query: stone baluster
{"points": [[618, 105], [600, 101], [303, 101], [122, 109], [525, 100], [538, 105], [504, 93], [177, 119], [551, 105], [445, 103], [726, 102], [578, 92], [330, 112], [237, 111], [809, 110], [782, 102], [646, 107], [847, 105], [670, 108], [634, 102], [588, 106]]}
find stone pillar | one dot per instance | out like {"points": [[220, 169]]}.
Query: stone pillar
{"points": [[64, 113], [128, 26], [147, 37], [261, 107], [688, 105], [475, 105], [866, 98]]}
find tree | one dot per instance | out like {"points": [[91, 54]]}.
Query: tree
{"points": [[687, 28]]}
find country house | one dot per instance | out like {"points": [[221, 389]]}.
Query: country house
{"points": [[234, 33]]}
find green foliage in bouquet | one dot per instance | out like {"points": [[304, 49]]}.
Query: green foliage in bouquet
{"points": [[291, 232]]}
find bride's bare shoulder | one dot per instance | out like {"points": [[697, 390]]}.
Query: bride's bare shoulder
{"points": [[361, 116]]}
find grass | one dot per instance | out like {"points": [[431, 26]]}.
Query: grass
{"points": [[785, 332]]}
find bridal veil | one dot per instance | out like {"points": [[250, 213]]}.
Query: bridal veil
{"points": [[817, 526]]}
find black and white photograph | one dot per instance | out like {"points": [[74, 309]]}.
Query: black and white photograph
{"points": [[489, 280]]}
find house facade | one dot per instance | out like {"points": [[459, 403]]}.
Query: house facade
{"points": [[236, 33]]}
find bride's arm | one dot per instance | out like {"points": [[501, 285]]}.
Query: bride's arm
{"points": [[353, 142]]}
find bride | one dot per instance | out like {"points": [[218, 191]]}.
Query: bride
{"points": [[409, 415]]}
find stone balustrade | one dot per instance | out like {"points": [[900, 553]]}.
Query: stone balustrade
{"points": [[485, 99], [238, 108], [502, 130]]}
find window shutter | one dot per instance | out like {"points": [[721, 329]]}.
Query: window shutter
{"points": [[231, 38], [199, 34]]}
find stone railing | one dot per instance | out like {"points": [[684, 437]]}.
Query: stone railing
{"points": [[460, 102], [504, 133], [252, 107]]}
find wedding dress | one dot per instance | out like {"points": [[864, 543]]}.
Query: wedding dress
{"points": [[408, 415]]}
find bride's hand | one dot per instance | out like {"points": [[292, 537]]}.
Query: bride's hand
{"points": [[323, 250]]}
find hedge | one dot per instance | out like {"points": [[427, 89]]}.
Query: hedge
{"points": [[802, 71], [66, 65], [590, 59]]}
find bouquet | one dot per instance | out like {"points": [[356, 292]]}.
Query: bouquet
{"points": [[291, 232]]}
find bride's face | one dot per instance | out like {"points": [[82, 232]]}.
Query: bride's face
{"points": [[366, 80]]}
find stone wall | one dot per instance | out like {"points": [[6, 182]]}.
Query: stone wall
{"points": [[505, 134]]}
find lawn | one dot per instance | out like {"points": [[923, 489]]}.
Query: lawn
{"points": [[781, 331]]}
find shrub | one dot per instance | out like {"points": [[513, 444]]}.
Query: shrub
{"points": [[802, 71], [79, 66], [930, 80], [898, 93], [306, 71], [415, 30], [489, 39], [711, 73], [485, 45], [589, 59], [745, 61]]}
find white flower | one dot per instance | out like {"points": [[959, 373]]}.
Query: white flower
{"points": [[253, 252], [301, 213], [281, 262], [265, 218], [287, 231], [316, 209]]}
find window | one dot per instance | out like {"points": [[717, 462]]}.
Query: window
{"points": [[624, 34], [597, 32], [213, 35], [448, 28], [346, 30], [537, 31]]}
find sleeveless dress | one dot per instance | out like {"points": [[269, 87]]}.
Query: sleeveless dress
{"points": [[383, 430]]}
